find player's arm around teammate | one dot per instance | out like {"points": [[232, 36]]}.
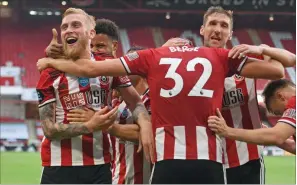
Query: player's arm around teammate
{"points": [[128, 132], [54, 131], [280, 99]]}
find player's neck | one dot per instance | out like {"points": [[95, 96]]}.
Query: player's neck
{"points": [[85, 54]]}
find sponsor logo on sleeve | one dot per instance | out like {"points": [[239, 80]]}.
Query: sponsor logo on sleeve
{"points": [[40, 95], [132, 56], [290, 113]]}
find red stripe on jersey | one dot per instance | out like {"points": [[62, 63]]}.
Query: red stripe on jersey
{"points": [[230, 143], [191, 144], [46, 152], [247, 121], [106, 147], [138, 166], [87, 140], [212, 145], [122, 172], [66, 152], [169, 141]]}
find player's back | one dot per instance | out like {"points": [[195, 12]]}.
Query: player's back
{"points": [[187, 86]]}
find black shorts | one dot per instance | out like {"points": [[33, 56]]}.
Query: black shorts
{"points": [[97, 174], [187, 172], [253, 172]]}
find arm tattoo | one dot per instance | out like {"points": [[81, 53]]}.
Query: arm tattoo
{"points": [[140, 112], [56, 131]]}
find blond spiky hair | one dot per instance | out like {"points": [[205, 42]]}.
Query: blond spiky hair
{"points": [[90, 19]]}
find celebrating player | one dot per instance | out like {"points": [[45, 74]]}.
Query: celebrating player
{"points": [[240, 106], [181, 79], [280, 99], [60, 92]]}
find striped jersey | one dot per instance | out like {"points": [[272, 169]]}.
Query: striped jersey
{"points": [[71, 92], [129, 167]]}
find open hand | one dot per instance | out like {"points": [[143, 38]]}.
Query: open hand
{"points": [[243, 49], [80, 115], [102, 119]]}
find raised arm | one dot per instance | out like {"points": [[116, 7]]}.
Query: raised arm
{"points": [[254, 68], [286, 58], [84, 67]]}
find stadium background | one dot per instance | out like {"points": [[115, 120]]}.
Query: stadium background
{"points": [[26, 31]]}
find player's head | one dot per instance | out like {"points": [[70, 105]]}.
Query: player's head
{"points": [[107, 37], [217, 27], [136, 79], [77, 30], [276, 95]]}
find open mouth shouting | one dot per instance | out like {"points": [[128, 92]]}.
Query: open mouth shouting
{"points": [[71, 40]]}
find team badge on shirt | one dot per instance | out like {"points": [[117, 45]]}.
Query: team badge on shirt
{"points": [[83, 81], [104, 80], [238, 78], [124, 114]]}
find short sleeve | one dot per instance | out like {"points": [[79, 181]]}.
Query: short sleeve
{"points": [[234, 66], [121, 81], [138, 62], [44, 88], [289, 116]]}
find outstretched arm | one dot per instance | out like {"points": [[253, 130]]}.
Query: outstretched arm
{"points": [[84, 67], [276, 135]]}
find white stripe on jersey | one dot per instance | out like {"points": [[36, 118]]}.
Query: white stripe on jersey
{"points": [[202, 143], [180, 142], [159, 139]]}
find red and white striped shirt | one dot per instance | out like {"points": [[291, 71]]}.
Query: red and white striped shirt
{"points": [[240, 110], [186, 87], [129, 167], [289, 116], [70, 92]]}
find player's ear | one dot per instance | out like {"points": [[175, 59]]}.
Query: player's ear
{"points": [[115, 45], [92, 34], [202, 30], [231, 34]]}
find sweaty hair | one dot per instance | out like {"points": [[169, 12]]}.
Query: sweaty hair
{"points": [[136, 48], [107, 27], [218, 9], [272, 87], [90, 19]]}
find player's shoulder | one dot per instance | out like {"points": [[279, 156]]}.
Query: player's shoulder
{"points": [[50, 73]]}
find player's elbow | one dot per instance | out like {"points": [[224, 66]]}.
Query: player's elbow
{"points": [[291, 60], [277, 73]]}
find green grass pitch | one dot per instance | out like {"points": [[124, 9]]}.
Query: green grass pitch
{"points": [[25, 168]]}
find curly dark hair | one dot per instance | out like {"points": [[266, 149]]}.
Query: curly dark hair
{"points": [[107, 27]]}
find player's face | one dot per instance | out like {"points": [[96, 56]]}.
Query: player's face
{"points": [[101, 43], [277, 106], [217, 30], [75, 35]]}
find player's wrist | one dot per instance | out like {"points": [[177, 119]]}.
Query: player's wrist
{"points": [[88, 125]]}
